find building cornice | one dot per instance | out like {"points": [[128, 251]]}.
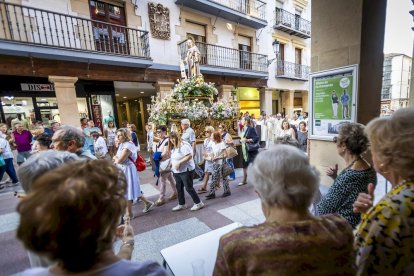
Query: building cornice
{"points": [[301, 4]]}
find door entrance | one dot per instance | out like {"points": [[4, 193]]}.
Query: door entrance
{"points": [[46, 109], [109, 27]]}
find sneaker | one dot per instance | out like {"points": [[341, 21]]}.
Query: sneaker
{"points": [[242, 183], [13, 184], [173, 196], [179, 208], [8, 180], [160, 202], [197, 206], [148, 207]]}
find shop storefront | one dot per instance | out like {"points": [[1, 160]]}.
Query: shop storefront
{"points": [[34, 99], [249, 100]]}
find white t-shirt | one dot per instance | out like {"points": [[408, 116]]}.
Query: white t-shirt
{"points": [[5, 146], [217, 149], [100, 147], [178, 153]]}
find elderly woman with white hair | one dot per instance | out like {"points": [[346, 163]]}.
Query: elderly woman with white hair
{"points": [[291, 241]]}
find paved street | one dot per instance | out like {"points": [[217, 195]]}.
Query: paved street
{"points": [[154, 231]]}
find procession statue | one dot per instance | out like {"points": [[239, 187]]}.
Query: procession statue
{"points": [[192, 59], [194, 99]]}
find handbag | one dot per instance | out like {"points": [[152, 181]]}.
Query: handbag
{"points": [[252, 146], [2, 162], [139, 163], [226, 169], [165, 166], [231, 152]]}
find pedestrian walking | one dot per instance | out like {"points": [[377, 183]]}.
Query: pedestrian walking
{"points": [[183, 168]]}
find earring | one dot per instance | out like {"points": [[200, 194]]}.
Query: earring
{"points": [[381, 166]]}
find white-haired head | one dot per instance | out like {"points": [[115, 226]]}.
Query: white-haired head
{"points": [[283, 177], [185, 122], [41, 163]]}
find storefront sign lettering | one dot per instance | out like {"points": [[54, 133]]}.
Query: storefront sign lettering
{"points": [[37, 87]]}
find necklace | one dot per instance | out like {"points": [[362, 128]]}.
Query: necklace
{"points": [[353, 162], [402, 183]]}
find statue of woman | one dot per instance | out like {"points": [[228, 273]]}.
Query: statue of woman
{"points": [[193, 59]]}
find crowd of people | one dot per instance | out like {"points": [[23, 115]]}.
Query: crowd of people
{"points": [[273, 128], [304, 232]]}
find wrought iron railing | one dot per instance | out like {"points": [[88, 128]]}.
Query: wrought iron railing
{"points": [[385, 96], [291, 70], [255, 8], [292, 21], [41, 27], [219, 56]]}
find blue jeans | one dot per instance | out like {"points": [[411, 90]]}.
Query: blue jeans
{"points": [[9, 168], [92, 149], [230, 162]]}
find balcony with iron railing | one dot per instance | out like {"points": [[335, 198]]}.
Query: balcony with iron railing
{"points": [[292, 24], [72, 36], [251, 13], [290, 70], [227, 58]]}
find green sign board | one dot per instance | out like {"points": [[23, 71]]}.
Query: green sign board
{"points": [[333, 101]]}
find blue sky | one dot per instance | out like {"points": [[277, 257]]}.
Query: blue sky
{"points": [[398, 34]]}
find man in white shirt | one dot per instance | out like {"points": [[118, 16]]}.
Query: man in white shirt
{"points": [[190, 137]]}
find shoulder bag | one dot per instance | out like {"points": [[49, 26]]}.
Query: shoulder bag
{"points": [[165, 166], [231, 152], [226, 169], [139, 163]]}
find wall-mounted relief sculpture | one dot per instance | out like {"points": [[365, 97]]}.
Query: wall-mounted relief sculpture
{"points": [[159, 17]]}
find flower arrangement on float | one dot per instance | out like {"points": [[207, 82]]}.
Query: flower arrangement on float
{"points": [[194, 87], [193, 99], [224, 109]]}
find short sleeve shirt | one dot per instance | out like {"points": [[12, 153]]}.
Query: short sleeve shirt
{"points": [[189, 135], [4, 145], [178, 153], [217, 148]]}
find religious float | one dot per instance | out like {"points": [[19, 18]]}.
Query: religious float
{"points": [[194, 99]]}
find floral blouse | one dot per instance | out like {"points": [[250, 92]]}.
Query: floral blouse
{"points": [[385, 237]]}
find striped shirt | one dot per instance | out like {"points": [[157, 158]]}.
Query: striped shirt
{"points": [[321, 246]]}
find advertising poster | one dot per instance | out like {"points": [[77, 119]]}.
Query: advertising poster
{"points": [[333, 101]]}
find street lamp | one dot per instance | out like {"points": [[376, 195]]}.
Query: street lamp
{"points": [[276, 48]]}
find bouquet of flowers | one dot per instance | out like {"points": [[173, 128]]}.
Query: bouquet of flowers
{"points": [[194, 87], [223, 110], [197, 110]]}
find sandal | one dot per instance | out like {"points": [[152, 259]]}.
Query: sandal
{"points": [[201, 190]]}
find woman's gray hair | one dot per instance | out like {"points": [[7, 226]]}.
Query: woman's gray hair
{"points": [[41, 163], [283, 176]]}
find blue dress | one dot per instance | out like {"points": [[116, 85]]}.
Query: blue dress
{"points": [[130, 171]]}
